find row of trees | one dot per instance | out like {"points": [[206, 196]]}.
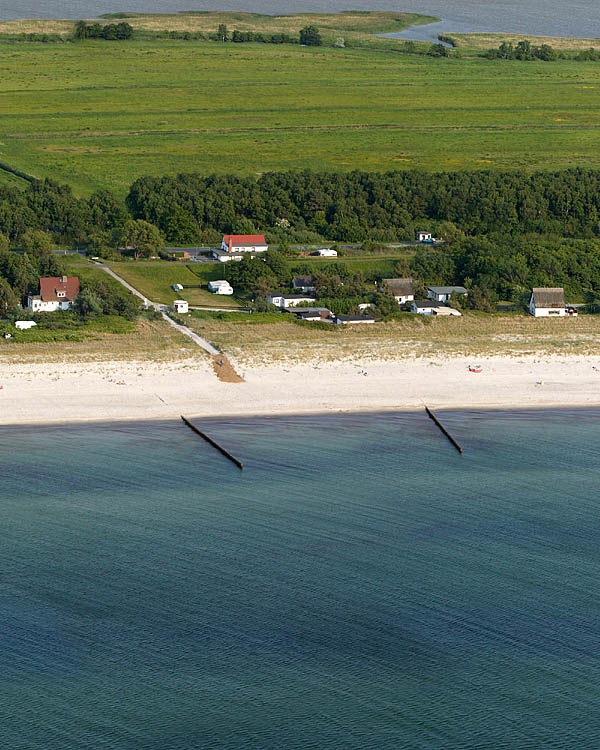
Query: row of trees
{"points": [[351, 207], [525, 50], [308, 36], [109, 31], [355, 206]]}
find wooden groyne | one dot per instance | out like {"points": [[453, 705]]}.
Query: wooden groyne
{"points": [[214, 443], [432, 416]]}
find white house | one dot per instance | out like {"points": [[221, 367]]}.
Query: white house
{"points": [[401, 289], [424, 236], [23, 325], [326, 252], [304, 283], [287, 300], [425, 306], [220, 287], [244, 243], [180, 306], [443, 293], [223, 256], [344, 320], [547, 302], [56, 293]]}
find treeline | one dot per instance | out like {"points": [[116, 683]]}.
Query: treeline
{"points": [[110, 31], [294, 206], [356, 206], [525, 50]]}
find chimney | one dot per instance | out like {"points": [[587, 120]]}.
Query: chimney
{"points": [[63, 279]]}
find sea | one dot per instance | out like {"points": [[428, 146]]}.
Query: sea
{"points": [[577, 18], [360, 584]]}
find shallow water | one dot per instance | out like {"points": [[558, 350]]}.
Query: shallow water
{"points": [[359, 585], [579, 18]]}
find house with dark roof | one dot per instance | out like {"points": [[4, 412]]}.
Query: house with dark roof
{"points": [[443, 293], [56, 293], [311, 313], [304, 283], [344, 320], [546, 302], [402, 290]]}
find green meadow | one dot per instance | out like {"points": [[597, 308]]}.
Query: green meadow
{"points": [[155, 281], [99, 114]]}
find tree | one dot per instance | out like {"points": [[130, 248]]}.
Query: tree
{"points": [[3, 243], [37, 243], [87, 304], [438, 50], [386, 305], [81, 30], [310, 36], [222, 33], [276, 262], [142, 237], [8, 299]]}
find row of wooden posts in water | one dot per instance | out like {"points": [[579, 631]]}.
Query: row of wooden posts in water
{"points": [[240, 465]]}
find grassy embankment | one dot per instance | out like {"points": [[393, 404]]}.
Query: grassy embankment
{"points": [[268, 340], [99, 114], [476, 44], [357, 28]]}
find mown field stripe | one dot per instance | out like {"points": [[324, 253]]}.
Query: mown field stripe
{"points": [[300, 128]]}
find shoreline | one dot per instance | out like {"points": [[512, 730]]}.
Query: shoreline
{"points": [[79, 393]]}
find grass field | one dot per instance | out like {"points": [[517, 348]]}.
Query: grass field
{"points": [[155, 282], [100, 114]]}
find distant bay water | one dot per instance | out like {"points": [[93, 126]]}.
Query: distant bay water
{"points": [[360, 585], [577, 18]]}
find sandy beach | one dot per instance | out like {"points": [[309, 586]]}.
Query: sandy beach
{"points": [[100, 391]]}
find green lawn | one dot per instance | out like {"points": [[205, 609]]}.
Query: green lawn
{"points": [[100, 114], [155, 282]]}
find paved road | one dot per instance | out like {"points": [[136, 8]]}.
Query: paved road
{"points": [[206, 345]]}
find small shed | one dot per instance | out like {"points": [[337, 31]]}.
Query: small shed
{"points": [[177, 288], [424, 236], [180, 306], [23, 325], [546, 302]]}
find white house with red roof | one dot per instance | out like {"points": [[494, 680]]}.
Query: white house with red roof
{"points": [[56, 293], [235, 245]]}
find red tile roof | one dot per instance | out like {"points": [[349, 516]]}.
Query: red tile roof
{"points": [[244, 239], [50, 285]]}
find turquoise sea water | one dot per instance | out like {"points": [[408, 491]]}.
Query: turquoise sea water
{"points": [[359, 585]]}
